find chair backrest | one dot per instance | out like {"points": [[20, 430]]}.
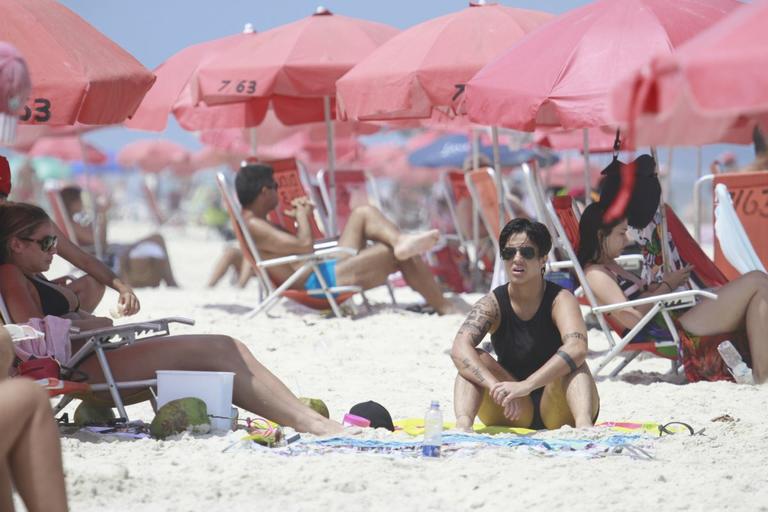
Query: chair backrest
{"points": [[733, 238], [483, 189], [457, 193], [705, 273], [59, 211], [749, 191], [354, 187], [290, 185], [5, 316], [152, 203], [247, 245]]}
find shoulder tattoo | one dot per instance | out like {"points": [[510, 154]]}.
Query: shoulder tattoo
{"points": [[577, 335]]}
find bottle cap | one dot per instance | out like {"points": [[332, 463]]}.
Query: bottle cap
{"points": [[435, 404]]}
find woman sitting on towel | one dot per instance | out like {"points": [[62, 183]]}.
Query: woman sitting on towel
{"points": [[741, 304], [27, 246], [30, 452], [540, 379]]}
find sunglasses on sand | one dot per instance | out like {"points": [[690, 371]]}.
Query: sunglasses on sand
{"points": [[46, 243], [526, 252]]}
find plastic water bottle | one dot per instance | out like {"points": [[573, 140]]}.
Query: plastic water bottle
{"points": [[742, 374], [433, 430]]}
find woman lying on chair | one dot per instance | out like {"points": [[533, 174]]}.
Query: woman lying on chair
{"points": [[741, 304], [27, 246], [30, 452], [540, 379]]}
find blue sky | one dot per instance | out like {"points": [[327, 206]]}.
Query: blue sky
{"points": [[153, 30]]}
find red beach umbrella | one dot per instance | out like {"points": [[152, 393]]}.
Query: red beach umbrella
{"points": [[294, 65], [152, 155], [78, 74], [171, 93], [703, 92], [14, 89], [419, 69], [69, 148], [600, 140], [562, 73]]}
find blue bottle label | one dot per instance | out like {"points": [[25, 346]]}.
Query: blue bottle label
{"points": [[430, 450]]}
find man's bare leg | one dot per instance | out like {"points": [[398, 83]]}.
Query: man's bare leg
{"points": [[368, 223], [420, 278]]}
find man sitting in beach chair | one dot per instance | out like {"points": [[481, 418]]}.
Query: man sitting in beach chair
{"points": [[368, 268], [540, 379], [143, 263]]}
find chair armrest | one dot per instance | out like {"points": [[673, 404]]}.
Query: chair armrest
{"points": [[321, 254], [325, 243], [160, 324], [668, 300]]}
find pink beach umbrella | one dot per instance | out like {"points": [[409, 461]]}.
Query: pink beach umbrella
{"points": [[713, 89], [78, 74], [171, 94], [562, 74], [153, 155], [422, 68], [14, 89], [295, 67], [69, 148], [600, 140]]}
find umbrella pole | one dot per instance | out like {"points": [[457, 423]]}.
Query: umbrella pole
{"points": [[668, 175], [253, 137], [497, 168], [331, 164], [587, 183], [95, 227], [665, 255], [475, 148]]}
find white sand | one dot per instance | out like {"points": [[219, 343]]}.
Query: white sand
{"points": [[399, 359]]}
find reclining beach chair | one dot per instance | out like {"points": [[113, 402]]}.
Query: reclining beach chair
{"points": [[100, 341], [321, 298], [354, 187], [562, 214], [59, 211], [733, 240], [293, 182]]}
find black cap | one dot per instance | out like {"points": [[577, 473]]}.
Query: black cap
{"points": [[375, 412]]}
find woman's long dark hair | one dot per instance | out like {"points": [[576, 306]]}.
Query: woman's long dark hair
{"points": [[591, 226], [18, 220]]}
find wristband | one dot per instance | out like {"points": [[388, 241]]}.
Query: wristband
{"points": [[568, 360]]}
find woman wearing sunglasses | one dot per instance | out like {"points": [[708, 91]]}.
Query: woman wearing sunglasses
{"points": [[26, 250], [540, 378]]}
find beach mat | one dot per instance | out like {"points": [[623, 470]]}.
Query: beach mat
{"points": [[415, 427]]}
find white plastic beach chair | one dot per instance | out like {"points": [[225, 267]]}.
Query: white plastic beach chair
{"points": [[734, 241]]}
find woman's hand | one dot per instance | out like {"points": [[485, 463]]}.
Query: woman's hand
{"points": [[128, 303], [677, 278]]}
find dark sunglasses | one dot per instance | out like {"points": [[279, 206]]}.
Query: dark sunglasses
{"points": [[526, 252], [46, 243], [272, 185]]}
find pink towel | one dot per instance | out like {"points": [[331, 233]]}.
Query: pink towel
{"points": [[55, 343]]}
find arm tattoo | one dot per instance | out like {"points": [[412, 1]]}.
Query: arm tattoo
{"points": [[478, 376], [575, 334], [479, 320], [568, 360]]}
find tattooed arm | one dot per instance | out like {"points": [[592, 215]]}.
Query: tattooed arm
{"points": [[483, 318], [567, 317]]}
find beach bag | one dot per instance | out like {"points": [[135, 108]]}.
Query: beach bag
{"points": [[39, 368]]}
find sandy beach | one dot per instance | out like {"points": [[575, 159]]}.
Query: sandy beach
{"points": [[399, 359]]}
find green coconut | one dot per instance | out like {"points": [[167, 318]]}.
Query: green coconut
{"points": [[183, 414], [316, 405], [90, 414]]}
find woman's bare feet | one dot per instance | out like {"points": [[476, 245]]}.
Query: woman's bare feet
{"points": [[410, 245]]}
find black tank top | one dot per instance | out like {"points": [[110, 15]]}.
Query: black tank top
{"points": [[524, 346], [53, 301]]}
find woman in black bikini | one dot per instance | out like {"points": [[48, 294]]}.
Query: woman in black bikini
{"points": [[741, 304], [540, 379], [27, 246]]}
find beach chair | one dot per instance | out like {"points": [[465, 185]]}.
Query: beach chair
{"points": [[734, 242], [562, 214], [59, 210], [99, 341], [354, 187], [293, 182], [322, 298], [148, 186]]}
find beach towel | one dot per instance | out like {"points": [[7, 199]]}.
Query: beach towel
{"points": [[53, 343]]}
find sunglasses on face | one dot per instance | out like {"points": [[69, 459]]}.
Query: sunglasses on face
{"points": [[526, 252], [272, 185], [47, 243]]}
